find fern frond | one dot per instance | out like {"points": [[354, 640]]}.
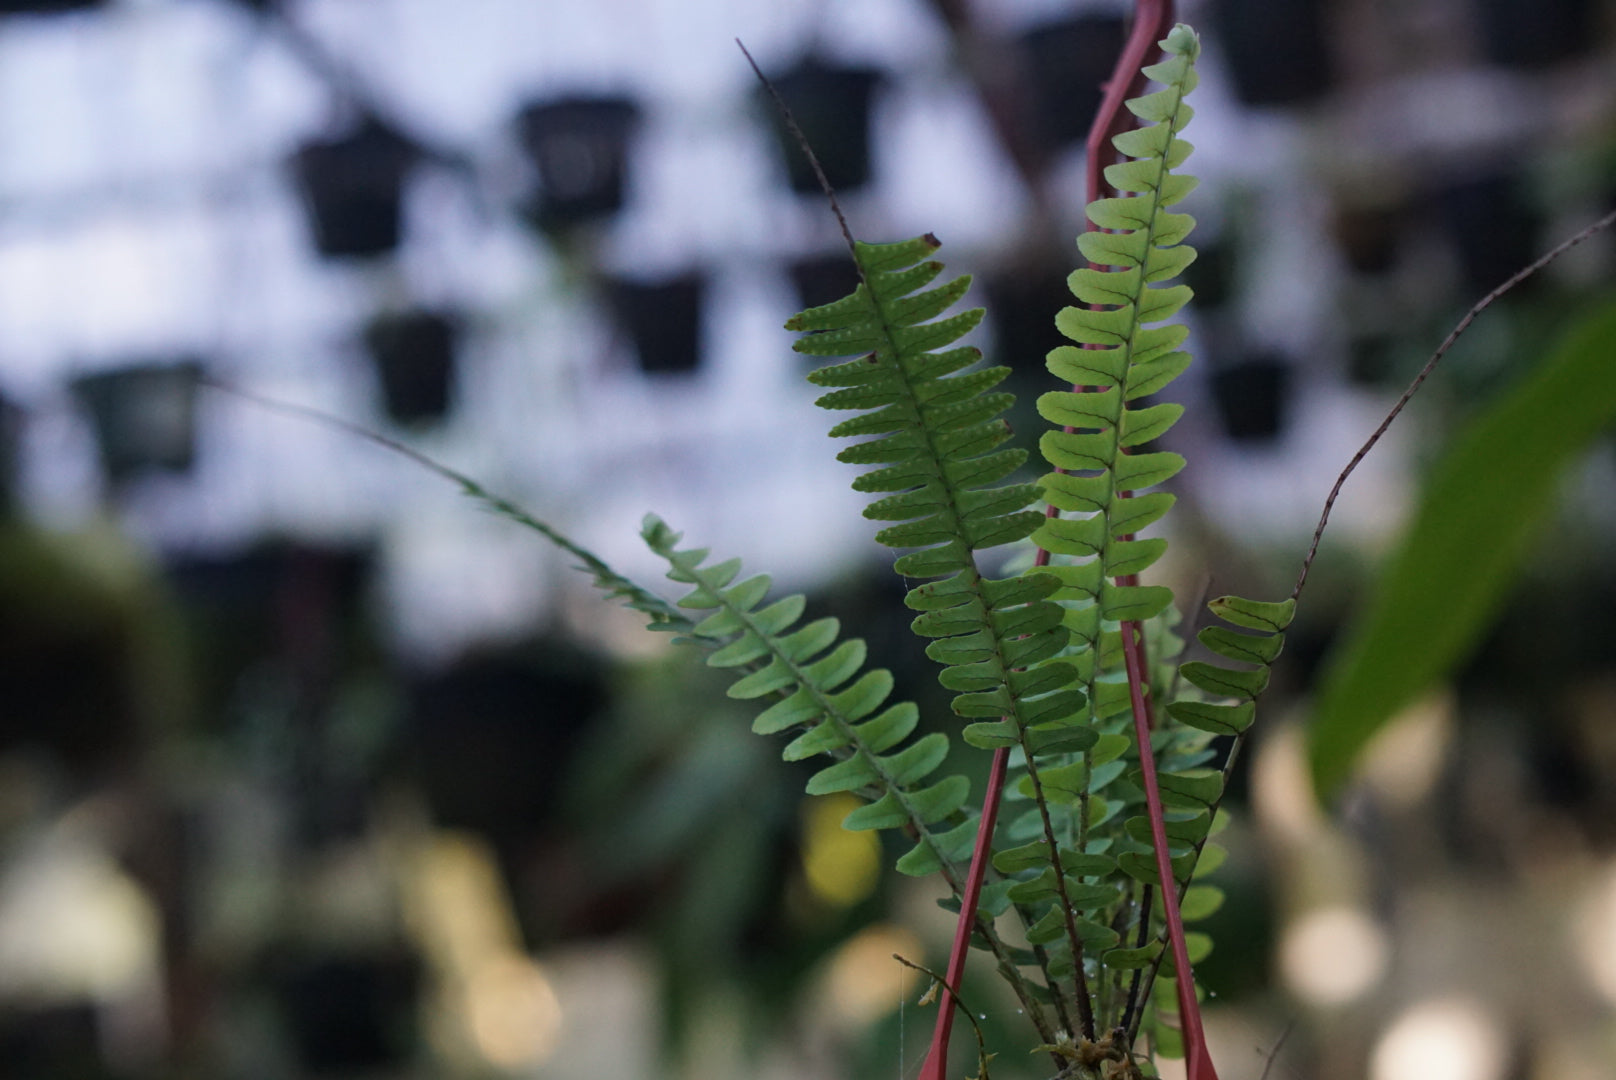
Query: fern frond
{"points": [[1124, 359], [823, 696], [1102, 477], [1238, 686], [936, 433]]}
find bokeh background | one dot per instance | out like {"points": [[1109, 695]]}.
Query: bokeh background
{"points": [[311, 768]]}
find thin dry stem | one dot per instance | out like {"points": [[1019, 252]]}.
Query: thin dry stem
{"points": [[1425, 372]]}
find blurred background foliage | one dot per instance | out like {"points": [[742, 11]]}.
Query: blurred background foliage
{"points": [[309, 768]]}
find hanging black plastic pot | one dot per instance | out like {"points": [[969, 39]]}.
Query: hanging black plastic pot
{"points": [[1492, 228], [1068, 63], [54, 1040], [579, 148], [47, 7], [1252, 396], [353, 187], [1536, 33], [1023, 303], [414, 354], [1214, 274], [11, 424], [662, 319], [144, 417], [492, 737], [1369, 237], [1276, 49], [349, 1015], [1372, 360], [823, 279], [831, 105]]}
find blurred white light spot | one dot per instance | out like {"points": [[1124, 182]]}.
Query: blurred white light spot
{"points": [[74, 926], [513, 1012], [1282, 790], [1595, 930], [1403, 760], [1332, 955], [1443, 1039], [862, 980]]}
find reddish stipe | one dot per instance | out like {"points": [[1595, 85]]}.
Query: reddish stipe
{"points": [[1197, 1059], [1152, 20], [936, 1066]]}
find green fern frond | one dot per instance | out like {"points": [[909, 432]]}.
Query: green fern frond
{"points": [[935, 433], [1102, 477], [1086, 830], [823, 695], [1238, 686], [1125, 358]]}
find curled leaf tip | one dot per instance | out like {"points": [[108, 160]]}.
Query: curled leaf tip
{"points": [[1182, 40]]}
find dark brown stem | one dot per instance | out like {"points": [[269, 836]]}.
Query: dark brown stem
{"points": [[1419, 380], [813, 158], [1197, 1061], [1200, 845], [950, 997], [1273, 1052], [1085, 1006], [1145, 898]]}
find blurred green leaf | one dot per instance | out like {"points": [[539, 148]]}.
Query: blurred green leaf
{"points": [[1484, 503]]}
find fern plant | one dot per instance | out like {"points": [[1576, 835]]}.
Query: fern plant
{"points": [[1068, 673], [1050, 665], [1050, 668]]}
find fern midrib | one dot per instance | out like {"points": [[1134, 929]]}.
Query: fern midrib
{"points": [[1134, 657]]}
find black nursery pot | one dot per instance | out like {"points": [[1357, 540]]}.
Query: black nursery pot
{"points": [[1251, 397], [1276, 49], [414, 354], [1023, 303], [663, 320], [492, 737], [47, 7], [823, 279], [579, 148], [349, 1015], [1536, 33], [831, 105], [1068, 64], [144, 417], [353, 188], [11, 428], [1492, 227], [1369, 237]]}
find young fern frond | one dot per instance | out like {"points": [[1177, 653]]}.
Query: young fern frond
{"points": [[823, 694], [1243, 685]]}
